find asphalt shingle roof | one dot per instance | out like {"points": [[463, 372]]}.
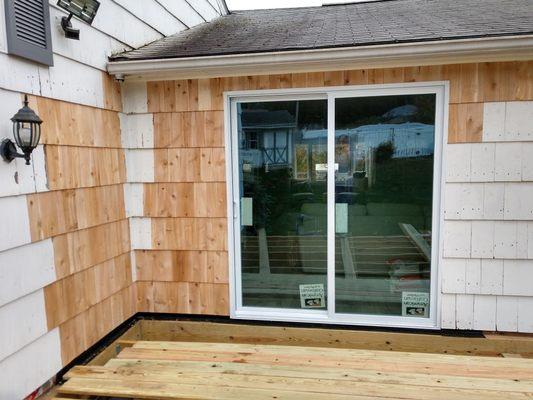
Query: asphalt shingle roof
{"points": [[358, 24]]}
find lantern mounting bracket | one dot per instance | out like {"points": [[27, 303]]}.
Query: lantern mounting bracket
{"points": [[70, 32], [9, 152]]}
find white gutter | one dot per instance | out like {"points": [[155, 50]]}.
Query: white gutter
{"points": [[381, 56]]}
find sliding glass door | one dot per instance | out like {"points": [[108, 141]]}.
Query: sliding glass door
{"points": [[282, 168], [336, 199]]}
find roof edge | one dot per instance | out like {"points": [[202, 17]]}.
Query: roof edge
{"points": [[378, 56]]}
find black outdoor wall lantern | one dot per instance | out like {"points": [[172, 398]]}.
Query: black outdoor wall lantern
{"points": [[83, 9], [26, 131]]}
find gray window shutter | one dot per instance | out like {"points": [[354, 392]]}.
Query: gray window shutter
{"points": [[28, 30]]}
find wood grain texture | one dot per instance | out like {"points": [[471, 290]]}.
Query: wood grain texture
{"points": [[190, 165], [85, 329], [466, 123], [112, 92], [182, 266], [217, 332], [177, 370], [189, 129], [469, 83], [185, 199], [76, 293], [79, 250], [85, 215], [69, 167], [71, 124], [476, 82], [58, 212], [183, 298], [188, 136], [189, 233]]}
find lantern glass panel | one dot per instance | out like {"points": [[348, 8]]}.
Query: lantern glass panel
{"points": [[25, 135], [36, 135]]}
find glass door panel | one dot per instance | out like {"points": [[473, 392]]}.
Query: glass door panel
{"points": [[282, 169], [384, 150]]}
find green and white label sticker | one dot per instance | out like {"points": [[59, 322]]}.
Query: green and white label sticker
{"points": [[415, 304], [312, 296]]}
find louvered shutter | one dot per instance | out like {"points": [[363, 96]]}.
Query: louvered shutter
{"points": [[28, 30]]}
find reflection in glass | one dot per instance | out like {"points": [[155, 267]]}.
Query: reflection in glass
{"points": [[384, 148], [282, 168], [383, 193]]}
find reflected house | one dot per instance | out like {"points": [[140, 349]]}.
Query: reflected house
{"points": [[407, 140], [267, 138], [272, 139], [382, 182]]}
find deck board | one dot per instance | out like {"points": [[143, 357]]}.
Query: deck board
{"points": [[198, 370]]}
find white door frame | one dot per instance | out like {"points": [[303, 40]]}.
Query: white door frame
{"points": [[237, 310]]}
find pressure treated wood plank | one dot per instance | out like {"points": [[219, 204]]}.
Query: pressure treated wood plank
{"points": [[133, 333], [157, 390], [303, 385], [182, 266], [175, 369], [333, 353], [335, 338], [368, 362]]}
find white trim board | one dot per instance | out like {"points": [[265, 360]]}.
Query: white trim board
{"points": [[378, 56], [237, 310]]}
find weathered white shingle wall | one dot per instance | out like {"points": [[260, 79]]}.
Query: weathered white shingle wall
{"points": [[487, 273], [78, 76]]}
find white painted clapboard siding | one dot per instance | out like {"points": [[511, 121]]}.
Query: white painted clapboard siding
{"points": [[205, 8], [134, 97], [489, 162], [508, 121], [22, 322], [134, 199], [155, 15], [489, 201], [183, 10], [119, 23], [15, 226], [17, 177], [26, 269], [77, 76], [488, 239], [93, 48], [141, 233], [68, 80], [140, 165], [32, 366], [137, 131]]}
